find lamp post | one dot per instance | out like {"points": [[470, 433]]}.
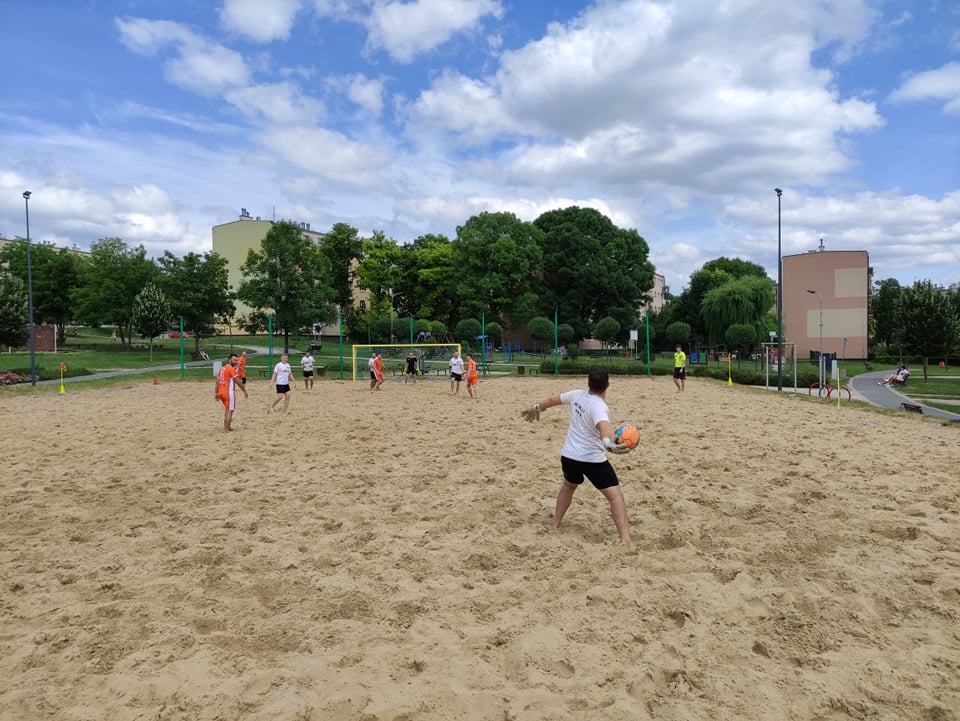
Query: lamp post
{"points": [[820, 299], [33, 344], [340, 334], [779, 192], [392, 296]]}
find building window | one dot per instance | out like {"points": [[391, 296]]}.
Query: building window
{"points": [[363, 306]]}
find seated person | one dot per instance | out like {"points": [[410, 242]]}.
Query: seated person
{"points": [[898, 376]]}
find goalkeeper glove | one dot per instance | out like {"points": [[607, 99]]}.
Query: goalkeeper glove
{"points": [[611, 446], [531, 414]]}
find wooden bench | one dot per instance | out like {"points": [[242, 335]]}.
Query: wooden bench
{"points": [[913, 407]]}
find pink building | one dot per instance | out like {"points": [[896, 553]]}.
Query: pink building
{"points": [[840, 281]]}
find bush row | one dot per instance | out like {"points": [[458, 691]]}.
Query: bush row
{"points": [[741, 376]]}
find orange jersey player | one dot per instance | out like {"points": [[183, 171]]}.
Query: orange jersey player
{"points": [[472, 387], [226, 390]]}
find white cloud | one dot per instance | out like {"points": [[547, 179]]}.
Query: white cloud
{"points": [[258, 20], [280, 103], [201, 65], [327, 153], [367, 93], [407, 29], [940, 84]]}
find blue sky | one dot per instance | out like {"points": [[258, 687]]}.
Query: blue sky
{"points": [[154, 120]]}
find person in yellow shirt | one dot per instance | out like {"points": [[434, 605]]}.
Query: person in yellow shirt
{"points": [[679, 368]]}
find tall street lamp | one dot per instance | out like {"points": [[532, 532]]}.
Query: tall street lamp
{"points": [[392, 296], [820, 299], [33, 344], [779, 192]]}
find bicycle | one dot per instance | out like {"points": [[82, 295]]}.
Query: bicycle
{"points": [[826, 390]]}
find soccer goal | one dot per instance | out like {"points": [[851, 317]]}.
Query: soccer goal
{"points": [[432, 358]]}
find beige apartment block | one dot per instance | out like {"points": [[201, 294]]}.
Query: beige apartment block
{"points": [[840, 283], [235, 239]]}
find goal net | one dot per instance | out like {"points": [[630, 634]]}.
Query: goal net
{"points": [[432, 358]]}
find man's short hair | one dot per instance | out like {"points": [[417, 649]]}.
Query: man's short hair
{"points": [[599, 380]]}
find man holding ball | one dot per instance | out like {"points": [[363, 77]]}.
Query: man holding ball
{"points": [[589, 437]]}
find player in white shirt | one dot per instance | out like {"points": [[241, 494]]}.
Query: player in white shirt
{"points": [[372, 367], [456, 371], [589, 439], [307, 364], [281, 379]]}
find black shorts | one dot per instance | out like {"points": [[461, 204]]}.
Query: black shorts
{"points": [[680, 373], [373, 375], [282, 389], [308, 374], [456, 376], [601, 475]]}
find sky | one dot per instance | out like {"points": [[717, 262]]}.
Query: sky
{"points": [[154, 120]]}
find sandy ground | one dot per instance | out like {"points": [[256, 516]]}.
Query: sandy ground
{"points": [[388, 557]]}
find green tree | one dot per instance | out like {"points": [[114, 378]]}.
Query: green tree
{"points": [[109, 280], [14, 312], [289, 277], [496, 256], [746, 300], [495, 332], [607, 330], [927, 324], [679, 332], [883, 308], [342, 248], [735, 267], [428, 277], [591, 269], [741, 337], [565, 333], [467, 330], [197, 288], [541, 328], [54, 276], [151, 313], [379, 271]]}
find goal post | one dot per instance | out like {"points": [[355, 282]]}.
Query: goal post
{"points": [[430, 356]]}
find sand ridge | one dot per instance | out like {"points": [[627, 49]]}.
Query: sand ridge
{"points": [[388, 557]]}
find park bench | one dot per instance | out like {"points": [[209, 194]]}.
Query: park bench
{"points": [[912, 407], [202, 355]]}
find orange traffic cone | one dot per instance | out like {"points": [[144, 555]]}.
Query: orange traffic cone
{"points": [[154, 380]]}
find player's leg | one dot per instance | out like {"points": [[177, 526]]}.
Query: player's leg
{"points": [[618, 511]]}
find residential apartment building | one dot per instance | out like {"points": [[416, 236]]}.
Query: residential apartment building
{"points": [[825, 302]]}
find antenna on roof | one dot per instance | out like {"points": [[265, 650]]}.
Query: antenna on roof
{"points": [[821, 248]]}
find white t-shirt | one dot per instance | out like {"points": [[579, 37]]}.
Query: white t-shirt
{"points": [[371, 363], [283, 372], [583, 440], [456, 365], [307, 362]]}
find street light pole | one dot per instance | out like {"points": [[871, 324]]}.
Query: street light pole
{"points": [[779, 192], [33, 343], [820, 299]]}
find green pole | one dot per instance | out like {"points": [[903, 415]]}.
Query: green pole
{"points": [[340, 333], [647, 315], [483, 342], [556, 346], [270, 342], [411, 329], [183, 370]]}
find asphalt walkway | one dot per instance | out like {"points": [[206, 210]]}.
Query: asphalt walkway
{"points": [[864, 387]]}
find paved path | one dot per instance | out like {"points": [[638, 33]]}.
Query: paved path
{"points": [[864, 387]]}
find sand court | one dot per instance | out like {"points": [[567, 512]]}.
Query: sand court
{"points": [[388, 557]]}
